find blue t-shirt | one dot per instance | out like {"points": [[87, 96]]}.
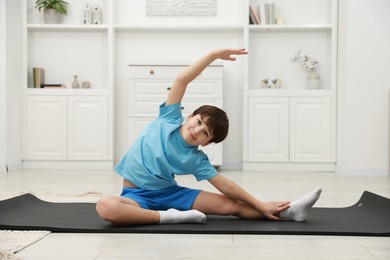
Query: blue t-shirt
{"points": [[160, 152]]}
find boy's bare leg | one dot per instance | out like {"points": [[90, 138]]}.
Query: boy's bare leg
{"points": [[218, 204], [124, 211]]}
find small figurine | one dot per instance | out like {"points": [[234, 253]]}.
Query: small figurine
{"points": [[97, 15], [87, 15], [277, 83], [264, 83]]}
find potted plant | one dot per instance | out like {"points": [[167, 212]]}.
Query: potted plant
{"points": [[53, 9]]}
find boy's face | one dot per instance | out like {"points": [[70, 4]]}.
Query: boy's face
{"points": [[195, 131]]}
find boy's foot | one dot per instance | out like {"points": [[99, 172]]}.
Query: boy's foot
{"points": [[299, 209], [174, 216]]}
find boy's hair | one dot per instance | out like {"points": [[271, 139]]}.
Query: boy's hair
{"points": [[216, 120]]}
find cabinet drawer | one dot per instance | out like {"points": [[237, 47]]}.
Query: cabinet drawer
{"points": [[144, 107], [171, 72], [161, 88]]}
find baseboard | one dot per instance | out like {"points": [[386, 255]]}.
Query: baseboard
{"points": [[231, 166], [3, 169], [316, 167], [15, 167], [71, 165], [366, 172]]}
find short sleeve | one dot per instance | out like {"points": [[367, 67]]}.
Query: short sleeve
{"points": [[203, 169], [171, 112]]}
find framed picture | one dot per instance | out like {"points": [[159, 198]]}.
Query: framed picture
{"points": [[181, 7]]}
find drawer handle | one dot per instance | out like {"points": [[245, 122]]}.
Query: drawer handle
{"points": [[182, 108], [151, 72], [169, 88]]}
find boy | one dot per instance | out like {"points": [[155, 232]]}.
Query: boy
{"points": [[167, 146]]}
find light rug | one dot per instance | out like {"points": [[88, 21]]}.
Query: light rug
{"points": [[12, 241]]}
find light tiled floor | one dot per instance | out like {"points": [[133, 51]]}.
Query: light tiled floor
{"points": [[338, 191]]}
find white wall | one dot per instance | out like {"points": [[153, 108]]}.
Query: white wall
{"points": [[3, 90], [364, 84], [10, 85]]}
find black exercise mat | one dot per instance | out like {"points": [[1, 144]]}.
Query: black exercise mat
{"points": [[370, 216]]}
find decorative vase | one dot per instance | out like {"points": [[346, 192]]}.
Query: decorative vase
{"points": [[313, 80], [86, 84], [75, 83], [52, 16]]}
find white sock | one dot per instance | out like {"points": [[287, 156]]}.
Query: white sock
{"points": [[299, 209], [174, 216]]}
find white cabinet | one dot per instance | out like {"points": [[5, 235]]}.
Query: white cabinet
{"points": [[290, 130], [46, 128], [268, 129], [311, 129], [149, 86], [67, 125], [66, 128], [292, 127], [87, 128]]}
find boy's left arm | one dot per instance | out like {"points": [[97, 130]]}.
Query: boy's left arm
{"points": [[191, 72], [235, 192]]}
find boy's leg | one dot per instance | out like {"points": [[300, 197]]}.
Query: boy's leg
{"points": [[124, 211], [218, 204]]}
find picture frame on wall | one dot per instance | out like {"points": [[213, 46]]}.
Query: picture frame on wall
{"points": [[181, 7]]}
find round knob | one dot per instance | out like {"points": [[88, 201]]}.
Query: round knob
{"points": [[151, 72]]}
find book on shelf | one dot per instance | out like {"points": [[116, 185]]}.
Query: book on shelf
{"points": [[262, 12], [38, 77], [250, 20], [254, 16], [52, 86]]}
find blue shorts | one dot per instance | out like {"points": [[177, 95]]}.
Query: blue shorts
{"points": [[176, 197]]}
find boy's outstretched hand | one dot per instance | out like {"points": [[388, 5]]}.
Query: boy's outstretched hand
{"points": [[226, 54]]}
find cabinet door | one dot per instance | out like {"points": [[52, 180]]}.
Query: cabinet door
{"points": [[310, 129], [46, 128], [268, 129], [87, 131]]}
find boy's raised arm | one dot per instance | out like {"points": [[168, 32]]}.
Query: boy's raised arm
{"points": [[191, 72]]}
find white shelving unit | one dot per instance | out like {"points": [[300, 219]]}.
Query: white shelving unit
{"points": [[291, 128], [78, 122], [95, 53]]}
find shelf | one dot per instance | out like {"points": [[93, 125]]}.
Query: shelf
{"points": [[305, 27], [175, 27], [290, 93], [67, 27], [65, 92]]}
